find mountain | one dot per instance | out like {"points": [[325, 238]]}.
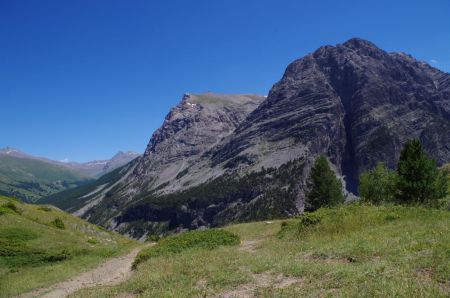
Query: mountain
{"points": [[99, 168], [118, 160], [94, 169], [29, 178], [216, 160]]}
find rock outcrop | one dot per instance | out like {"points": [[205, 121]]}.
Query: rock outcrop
{"points": [[218, 159]]}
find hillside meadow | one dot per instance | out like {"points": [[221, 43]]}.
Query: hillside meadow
{"points": [[351, 250], [41, 245]]}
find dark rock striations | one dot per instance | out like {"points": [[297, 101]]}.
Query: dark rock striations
{"points": [[224, 158]]}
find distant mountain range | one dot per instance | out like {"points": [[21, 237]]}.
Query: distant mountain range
{"points": [[29, 177], [99, 168], [220, 158]]}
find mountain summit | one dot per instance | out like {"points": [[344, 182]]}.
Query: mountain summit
{"points": [[223, 158]]}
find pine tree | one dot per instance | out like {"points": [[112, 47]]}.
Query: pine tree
{"points": [[325, 187], [419, 179]]}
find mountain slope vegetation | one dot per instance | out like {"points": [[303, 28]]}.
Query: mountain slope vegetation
{"points": [[40, 245], [73, 199], [354, 250], [353, 102], [30, 179]]}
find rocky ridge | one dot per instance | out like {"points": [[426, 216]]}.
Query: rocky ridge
{"points": [[216, 160]]}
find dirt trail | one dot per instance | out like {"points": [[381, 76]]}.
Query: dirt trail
{"points": [[260, 281], [109, 273]]}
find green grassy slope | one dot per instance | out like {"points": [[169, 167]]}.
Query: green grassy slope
{"points": [[30, 179], [75, 198], [40, 245], [351, 251]]}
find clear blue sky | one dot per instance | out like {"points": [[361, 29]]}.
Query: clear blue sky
{"points": [[83, 79]]}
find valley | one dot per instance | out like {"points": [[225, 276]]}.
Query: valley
{"points": [[227, 158], [30, 178], [335, 183]]}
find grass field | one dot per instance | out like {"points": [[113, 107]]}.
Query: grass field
{"points": [[40, 245], [353, 250], [30, 179]]}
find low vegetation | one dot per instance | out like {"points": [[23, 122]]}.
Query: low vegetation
{"points": [[350, 250], [30, 179], [208, 239], [40, 245]]}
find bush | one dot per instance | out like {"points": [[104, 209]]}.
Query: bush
{"points": [[92, 241], [57, 222], [309, 219], [4, 210], [325, 188], [153, 238], [419, 179], [11, 206], [45, 208], [56, 257], [208, 239], [378, 185]]}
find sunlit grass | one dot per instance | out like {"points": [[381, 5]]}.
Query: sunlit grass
{"points": [[40, 245], [354, 250]]}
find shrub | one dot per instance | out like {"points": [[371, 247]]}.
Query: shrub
{"points": [[443, 182], [208, 239], [153, 238], [58, 223], [4, 210], [56, 257], [92, 241], [325, 188], [419, 179], [45, 208], [11, 206], [309, 219], [378, 185]]}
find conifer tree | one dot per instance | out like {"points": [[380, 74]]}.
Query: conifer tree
{"points": [[325, 187], [419, 179]]}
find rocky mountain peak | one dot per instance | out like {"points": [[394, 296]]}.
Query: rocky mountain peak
{"points": [[200, 114], [197, 123], [125, 154], [353, 102], [359, 43], [223, 158]]}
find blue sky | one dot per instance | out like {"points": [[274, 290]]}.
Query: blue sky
{"points": [[83, 79]]}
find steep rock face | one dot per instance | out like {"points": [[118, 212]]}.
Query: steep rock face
{"points": [[175, 156], [353, 102], [196, 125], [219, 159]]}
